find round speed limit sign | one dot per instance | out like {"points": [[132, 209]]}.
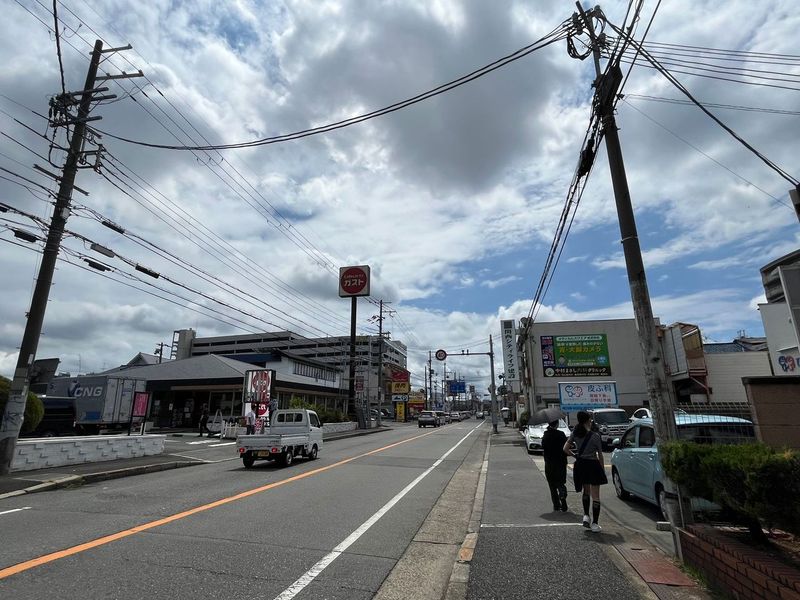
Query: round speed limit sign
{"points": [[441, 354]]}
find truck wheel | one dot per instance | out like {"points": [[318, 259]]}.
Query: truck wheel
{"points": [[248, 460], [288, 457], [313, 454]]}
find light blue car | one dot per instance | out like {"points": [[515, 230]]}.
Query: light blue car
{"points": [[635, 464]]}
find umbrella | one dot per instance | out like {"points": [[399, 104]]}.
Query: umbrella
{"points": [[546, 415]]}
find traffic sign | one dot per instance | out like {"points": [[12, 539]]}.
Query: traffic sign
{"points": [[354, 281], [441, 354]]}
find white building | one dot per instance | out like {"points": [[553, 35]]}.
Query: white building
{"points": [[781, 313]]}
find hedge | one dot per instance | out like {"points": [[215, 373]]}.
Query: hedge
{"points": [[754, 481], [325, 415], [34, 409]]}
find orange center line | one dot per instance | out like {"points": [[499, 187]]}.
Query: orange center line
{"points": [[107, 539]]}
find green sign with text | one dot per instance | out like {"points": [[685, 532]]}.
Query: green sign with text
{"points": [[575, 355]]}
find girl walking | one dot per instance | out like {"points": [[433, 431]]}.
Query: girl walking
{"points": [[589, 472]]}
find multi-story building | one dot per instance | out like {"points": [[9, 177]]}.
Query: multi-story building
{"points": [[781, 313], [257, 349]]}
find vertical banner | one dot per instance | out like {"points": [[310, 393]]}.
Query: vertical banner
{"points": [[510, 356], [258, 391]]}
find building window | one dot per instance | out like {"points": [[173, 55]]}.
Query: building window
{"points": [[314, 372]]}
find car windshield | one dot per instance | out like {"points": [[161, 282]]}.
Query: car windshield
{"points": [[717, 433], [614, 417]]}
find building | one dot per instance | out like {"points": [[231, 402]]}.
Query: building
{"points": [[371, 351], [781, 313], [608, 351]]}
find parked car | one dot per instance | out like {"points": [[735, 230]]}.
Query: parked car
{"points": [[480, 415], [636, 465], [455, 416], [444, 417], [646, 413], [611, 423], [428, 418], [533, 435]]}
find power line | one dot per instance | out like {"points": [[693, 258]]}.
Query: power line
{"points": [[559, 33], [58, 47], [671, 78], [760, 109]]}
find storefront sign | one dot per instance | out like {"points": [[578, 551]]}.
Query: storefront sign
{"points": [[575, 355], [401, 387], [510, 359], [587, 396]]}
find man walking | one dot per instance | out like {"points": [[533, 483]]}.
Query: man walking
{"points": [[204, 421], [555, 465], [250, 421]]}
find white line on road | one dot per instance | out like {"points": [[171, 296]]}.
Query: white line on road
{"points": [[320, 566], [5, 512], [527, 526], [208, 441], [222, 444]]}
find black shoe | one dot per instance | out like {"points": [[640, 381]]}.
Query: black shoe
{"points": [[564, 507], [556, 508]]}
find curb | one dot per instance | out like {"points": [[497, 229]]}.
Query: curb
{"points": [[457, 586], [75, 480]]}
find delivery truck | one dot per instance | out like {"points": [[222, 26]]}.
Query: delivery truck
{"points": [[100, 401]]}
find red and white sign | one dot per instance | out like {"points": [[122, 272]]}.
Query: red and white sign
{"points": [[354, 281], [441, 354], [258, 391], [140, 401]]}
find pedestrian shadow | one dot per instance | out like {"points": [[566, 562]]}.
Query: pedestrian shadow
{"points": [[561, 517], [604, 537]]}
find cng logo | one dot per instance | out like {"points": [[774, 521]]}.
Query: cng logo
{"points": [[76, 390]]}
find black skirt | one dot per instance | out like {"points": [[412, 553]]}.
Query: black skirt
{"points": [[588, 471]]}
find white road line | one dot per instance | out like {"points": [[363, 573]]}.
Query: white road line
{"points": [[222, 444], [528, 526], [309, 576], [5, 512], [208, 441]]}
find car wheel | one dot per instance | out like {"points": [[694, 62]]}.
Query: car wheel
{"points": [[661, 498], [622, 493], [248, 460], [288, 457], [313, 454]]}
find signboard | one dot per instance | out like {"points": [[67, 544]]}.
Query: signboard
{"points": [[359, 383], [401, 387], [354, 281], [258, 391], [510, 357], [587, 396], [140, 402], [575, 355], [441, 355], [400, 412], [399, 398], [400, 375], [456, 387]]}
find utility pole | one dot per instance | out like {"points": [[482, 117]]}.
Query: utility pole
{"points": [[606, 90], [380, 319], [160, 351], [493, 389], [18, 393], [429, 380]]}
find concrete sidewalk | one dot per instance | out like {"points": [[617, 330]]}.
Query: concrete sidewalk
{"points": [[40, 480], [523, 549]]}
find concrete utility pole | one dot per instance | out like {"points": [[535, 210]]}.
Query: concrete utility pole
{"points": [[18, 394], [493, 389], [380, 319], [660, 402]]}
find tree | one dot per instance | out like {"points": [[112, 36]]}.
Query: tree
{"points": [[34, 409]]}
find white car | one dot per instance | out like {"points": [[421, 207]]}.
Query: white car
{"points": [[533, 435]]}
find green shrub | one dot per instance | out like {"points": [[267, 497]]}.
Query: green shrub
{"points": [[325, 415], [753, 481], [34, 409], [523, 419]]}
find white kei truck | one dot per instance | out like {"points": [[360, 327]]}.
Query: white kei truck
{"points": [[291, 433]]}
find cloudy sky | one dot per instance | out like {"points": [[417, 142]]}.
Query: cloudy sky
{"points": [[453, 201]]}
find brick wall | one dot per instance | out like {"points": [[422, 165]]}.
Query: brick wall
{"points": [[57, 452], [741, 571]]}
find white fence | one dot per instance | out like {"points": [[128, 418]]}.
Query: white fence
{"points": [[56, 452]]}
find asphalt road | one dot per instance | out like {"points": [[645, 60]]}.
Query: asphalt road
{"points": [[221, 531]]}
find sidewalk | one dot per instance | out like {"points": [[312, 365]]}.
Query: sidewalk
{"points": [[525, 550], [40, 480]]}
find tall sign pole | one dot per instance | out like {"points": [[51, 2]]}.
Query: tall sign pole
{"points": [[18, 394], [493, 389], [354, 282]]}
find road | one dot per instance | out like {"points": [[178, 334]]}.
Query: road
{"points": [[330, 528]]}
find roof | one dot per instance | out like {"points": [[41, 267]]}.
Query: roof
{"points": [[696, 419], [143, 359], [749, 344], [208, 366]]}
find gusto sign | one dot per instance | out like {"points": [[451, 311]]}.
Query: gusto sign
{"points": [[354, 281]]}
